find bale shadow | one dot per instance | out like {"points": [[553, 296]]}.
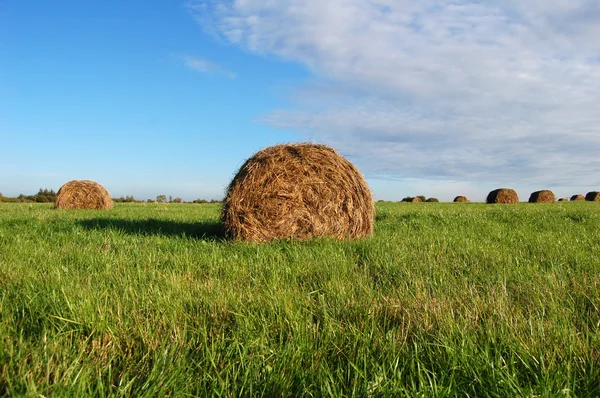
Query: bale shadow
{"points": [[208, 231]]}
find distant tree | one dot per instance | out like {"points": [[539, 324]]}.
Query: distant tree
{"points": [[177, 200], [407, 199], [161, 198], [126, 199], [199, 201], [42, 196], [170, 199]]}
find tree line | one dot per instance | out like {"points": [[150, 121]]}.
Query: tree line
{"points": [[45, 195], [42, 196]]}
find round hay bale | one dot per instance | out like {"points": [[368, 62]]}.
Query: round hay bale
{"points": [[503, 195], [577, 197], [461, 199], [593, 196], [297, 191], [563, 200], [543, 196], [416, 199], [83, 194]]}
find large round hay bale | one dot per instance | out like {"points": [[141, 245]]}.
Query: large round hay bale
{"points": [[593, 196], [543, 196], [83, 194], [461, 199], [577, 197], [416, 199], [297, 191], [503, 195]]}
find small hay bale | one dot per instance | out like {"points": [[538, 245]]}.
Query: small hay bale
{"points": [[297, 191], [577, 197], [461, 199], [416, 199], [543, 196], [503, 195], [83, 194], [563, 200], [593, 196]]}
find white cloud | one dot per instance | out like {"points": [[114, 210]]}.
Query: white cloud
{"points": [[498, 91], [204, 65]]}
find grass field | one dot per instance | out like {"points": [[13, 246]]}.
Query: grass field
{"points": [[445, 300]]}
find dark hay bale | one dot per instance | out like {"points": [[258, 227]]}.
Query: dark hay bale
{"points": [[416, 199], [543, 196], [461, 199], [563, 200], [432, 200], [297, 191], [503, 195], [577, 197], [593, 196], [83, 194]]}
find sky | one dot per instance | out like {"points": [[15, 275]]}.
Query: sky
{"points": [[429, 97]]}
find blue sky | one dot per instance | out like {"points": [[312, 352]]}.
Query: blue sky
{"points": [[170, 97]]}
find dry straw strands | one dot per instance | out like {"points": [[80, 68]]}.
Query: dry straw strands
{"points": [[593, 196], [543, 196], [503, 195], [461, 199], [577, 197], [297, 191], [83, 194]]}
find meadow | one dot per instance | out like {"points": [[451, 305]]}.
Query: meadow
{"points": [[447, 299]]}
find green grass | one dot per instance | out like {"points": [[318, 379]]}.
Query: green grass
{"points": [[446, 300]]}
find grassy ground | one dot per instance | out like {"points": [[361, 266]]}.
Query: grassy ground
{"points": [[446, 300]]}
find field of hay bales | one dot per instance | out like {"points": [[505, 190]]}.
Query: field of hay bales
{"points": [[444, 299]]}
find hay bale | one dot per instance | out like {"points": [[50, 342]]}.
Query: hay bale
{"points": [[577, 197], [503, 195], [563, 200], [416, 199], [83, 194], [593, 196], [461, 199], [297, 191], [543, 196]]}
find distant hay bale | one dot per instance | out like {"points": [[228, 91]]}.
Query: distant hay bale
{"points": [[593, 196], [416, 199], [83, 194], [297, 191], [563, 200], [577, 197], [503, 195], [543, 196], [461, 199]]}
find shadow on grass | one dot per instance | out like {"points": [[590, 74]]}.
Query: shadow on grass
{"points": [[209, 231]]}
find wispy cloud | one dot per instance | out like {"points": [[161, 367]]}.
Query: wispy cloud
{"points": [[204, 65], [503, 91]]}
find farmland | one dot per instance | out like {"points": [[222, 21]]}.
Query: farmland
{"points": [[445, 299]]}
